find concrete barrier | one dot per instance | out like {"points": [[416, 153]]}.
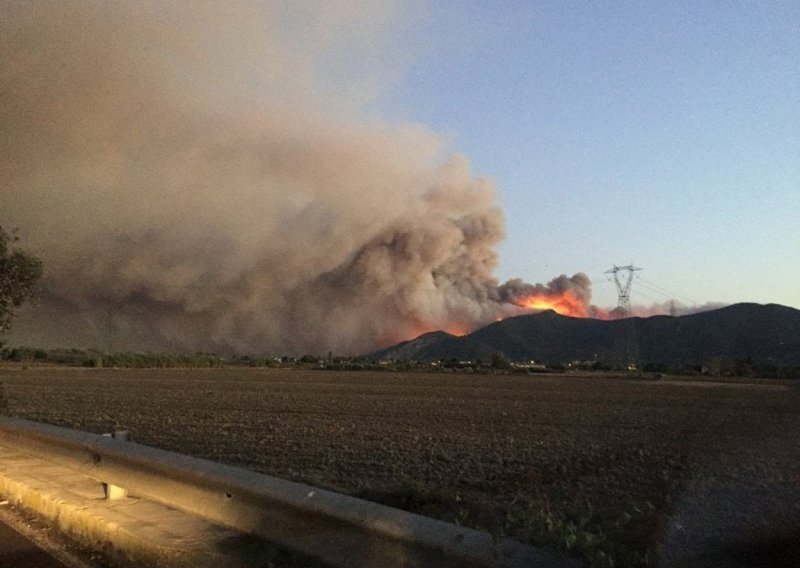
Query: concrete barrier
{"points": [[337, 529]]}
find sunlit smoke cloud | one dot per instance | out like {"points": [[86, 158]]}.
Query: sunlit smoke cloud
{"points": [[200, 176], [568, 295], [196, 176]]}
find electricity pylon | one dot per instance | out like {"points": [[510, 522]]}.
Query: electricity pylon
{"points": [[628, 346], [623, 288]]}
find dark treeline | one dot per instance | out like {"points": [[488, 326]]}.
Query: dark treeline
{"points": [[497, 364]]}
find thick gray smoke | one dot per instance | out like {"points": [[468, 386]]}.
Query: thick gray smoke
{"points": [[194, 177]]}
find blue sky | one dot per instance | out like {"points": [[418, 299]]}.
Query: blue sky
{"points": [[663, 134]]}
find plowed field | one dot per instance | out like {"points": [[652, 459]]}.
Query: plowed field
{"points": [[602, 467]]}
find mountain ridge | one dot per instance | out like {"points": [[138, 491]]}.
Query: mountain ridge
{"points": [[759, 333]]}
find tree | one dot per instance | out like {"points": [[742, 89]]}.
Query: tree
{"points": [[19, 271], [499, 361]]}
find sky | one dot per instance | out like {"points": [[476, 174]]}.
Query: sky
{"points": [[663, 134], [260, 175]]}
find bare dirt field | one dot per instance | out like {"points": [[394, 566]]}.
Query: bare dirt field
{"points": [[618, 471]]}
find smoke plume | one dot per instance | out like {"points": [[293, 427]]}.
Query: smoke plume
{"points": [[199, 176]]}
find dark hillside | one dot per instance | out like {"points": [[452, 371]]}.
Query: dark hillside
{"points": [[411, 349], [759, 334], [547, 337], [762, 333]]}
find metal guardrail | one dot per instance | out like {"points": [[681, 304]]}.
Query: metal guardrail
{"points": [[340, 530]]}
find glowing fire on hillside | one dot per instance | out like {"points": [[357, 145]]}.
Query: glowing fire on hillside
{"points": [[566, 295], [565, 304]]}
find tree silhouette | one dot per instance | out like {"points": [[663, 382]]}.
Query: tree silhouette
{"points": [[19, 271]]}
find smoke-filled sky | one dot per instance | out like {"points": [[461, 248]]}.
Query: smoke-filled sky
{"points": [[312, 176]]}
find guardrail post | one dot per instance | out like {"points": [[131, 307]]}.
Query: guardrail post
{"points": [[115, 492]]}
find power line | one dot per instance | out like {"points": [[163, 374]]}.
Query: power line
{"points": [[654, 290], [648, 296], [660, 289]]}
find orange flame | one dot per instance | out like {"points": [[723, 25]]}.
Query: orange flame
{"points": [[565, 303], [457, 329]]}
